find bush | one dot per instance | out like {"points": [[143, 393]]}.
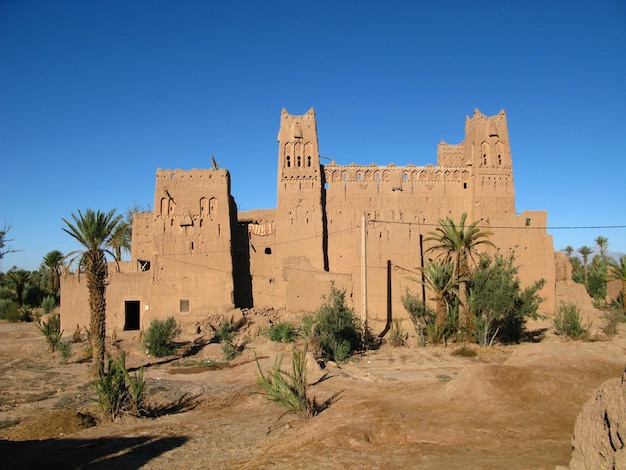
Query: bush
{"points": [[421, 315], [159, 337], [226, 336], [48, 304], [289, 389], [10, 311], [51, 330], [567, 321], [117, 391], [498, 303], [334, 327], [396, 334], [282, 333], [65, 348]]}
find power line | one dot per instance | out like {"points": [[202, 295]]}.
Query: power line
{"points": [[525, 227]]}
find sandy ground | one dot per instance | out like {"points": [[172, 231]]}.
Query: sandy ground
{"points": [[509, 407]]}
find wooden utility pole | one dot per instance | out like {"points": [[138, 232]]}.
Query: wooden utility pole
{"points": [[363, 278]]}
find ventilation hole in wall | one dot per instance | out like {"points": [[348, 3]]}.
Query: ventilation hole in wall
{"points": [[192, 245], [288, 161], [464, 185], [308, 161], [268, 251]]}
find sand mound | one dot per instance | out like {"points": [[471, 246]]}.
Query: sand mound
{"points": [[54, 424]]}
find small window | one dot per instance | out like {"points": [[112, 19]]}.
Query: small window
{"points": [[144, 265], [299, 161], [484, 158], [464, 185], [268, 251], [184, 305], [308, 161], [288, 161], [527, 222]]}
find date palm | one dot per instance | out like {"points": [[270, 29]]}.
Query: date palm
{"points": [[19, 278], [120, 239], [617, 271], [458, 244], [52, 263], [585, 252], [602, 243], [93, 230], [439, 279]]}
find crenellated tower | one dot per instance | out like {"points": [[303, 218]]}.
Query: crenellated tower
{"points": [[300, 190]]}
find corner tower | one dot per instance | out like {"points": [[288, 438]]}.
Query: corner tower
{"points": [[300, 215], [488, 151]]}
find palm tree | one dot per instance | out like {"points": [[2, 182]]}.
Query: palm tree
{"points": [[617, 271], [458, 244], [19, 278], [602, 243], [439, 278], [53, 262], [93, 230], [121, 239], [568, 250], [585, 251]]}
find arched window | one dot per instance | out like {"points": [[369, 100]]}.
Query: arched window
{"points": [[288, 161], [299, 161], [308, 161]]}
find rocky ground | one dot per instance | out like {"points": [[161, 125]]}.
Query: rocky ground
{"points": [[508, 407]]}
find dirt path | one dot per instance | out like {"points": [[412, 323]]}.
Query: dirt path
{"points": [[509, 407]]}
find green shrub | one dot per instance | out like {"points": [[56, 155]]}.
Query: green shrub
{"points": [[334, 327], [48, 304], [159, 337], [422, 317], [282, 333], [613, 319], [51, 330], [289, 389], [65, 348], [498, 303], [10, 311], [226, 336], [118, 392], [567, 321]]}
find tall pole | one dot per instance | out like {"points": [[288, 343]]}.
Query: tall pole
{"points": [[363, 278]]}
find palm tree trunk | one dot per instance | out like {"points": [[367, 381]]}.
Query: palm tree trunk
{"points": [[96, 283], [463, 308]]}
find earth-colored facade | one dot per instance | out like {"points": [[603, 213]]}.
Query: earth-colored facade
{"points": [[362, 227]]}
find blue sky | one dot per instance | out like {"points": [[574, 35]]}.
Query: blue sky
{"points": [[96, 95]]}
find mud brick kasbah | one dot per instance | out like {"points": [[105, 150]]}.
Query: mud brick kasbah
{"points": [[361, 226]]}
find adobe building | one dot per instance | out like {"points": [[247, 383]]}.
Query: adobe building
{"points": [[362, 227]]}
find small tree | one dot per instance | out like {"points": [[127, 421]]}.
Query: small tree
{"points": [[335, 327], [567, 321], [159, 337], [500, 306]]}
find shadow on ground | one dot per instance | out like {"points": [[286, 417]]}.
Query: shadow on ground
{"points": [[106, 452]]}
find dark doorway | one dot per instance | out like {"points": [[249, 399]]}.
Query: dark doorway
{"points": [[131, 315]]}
